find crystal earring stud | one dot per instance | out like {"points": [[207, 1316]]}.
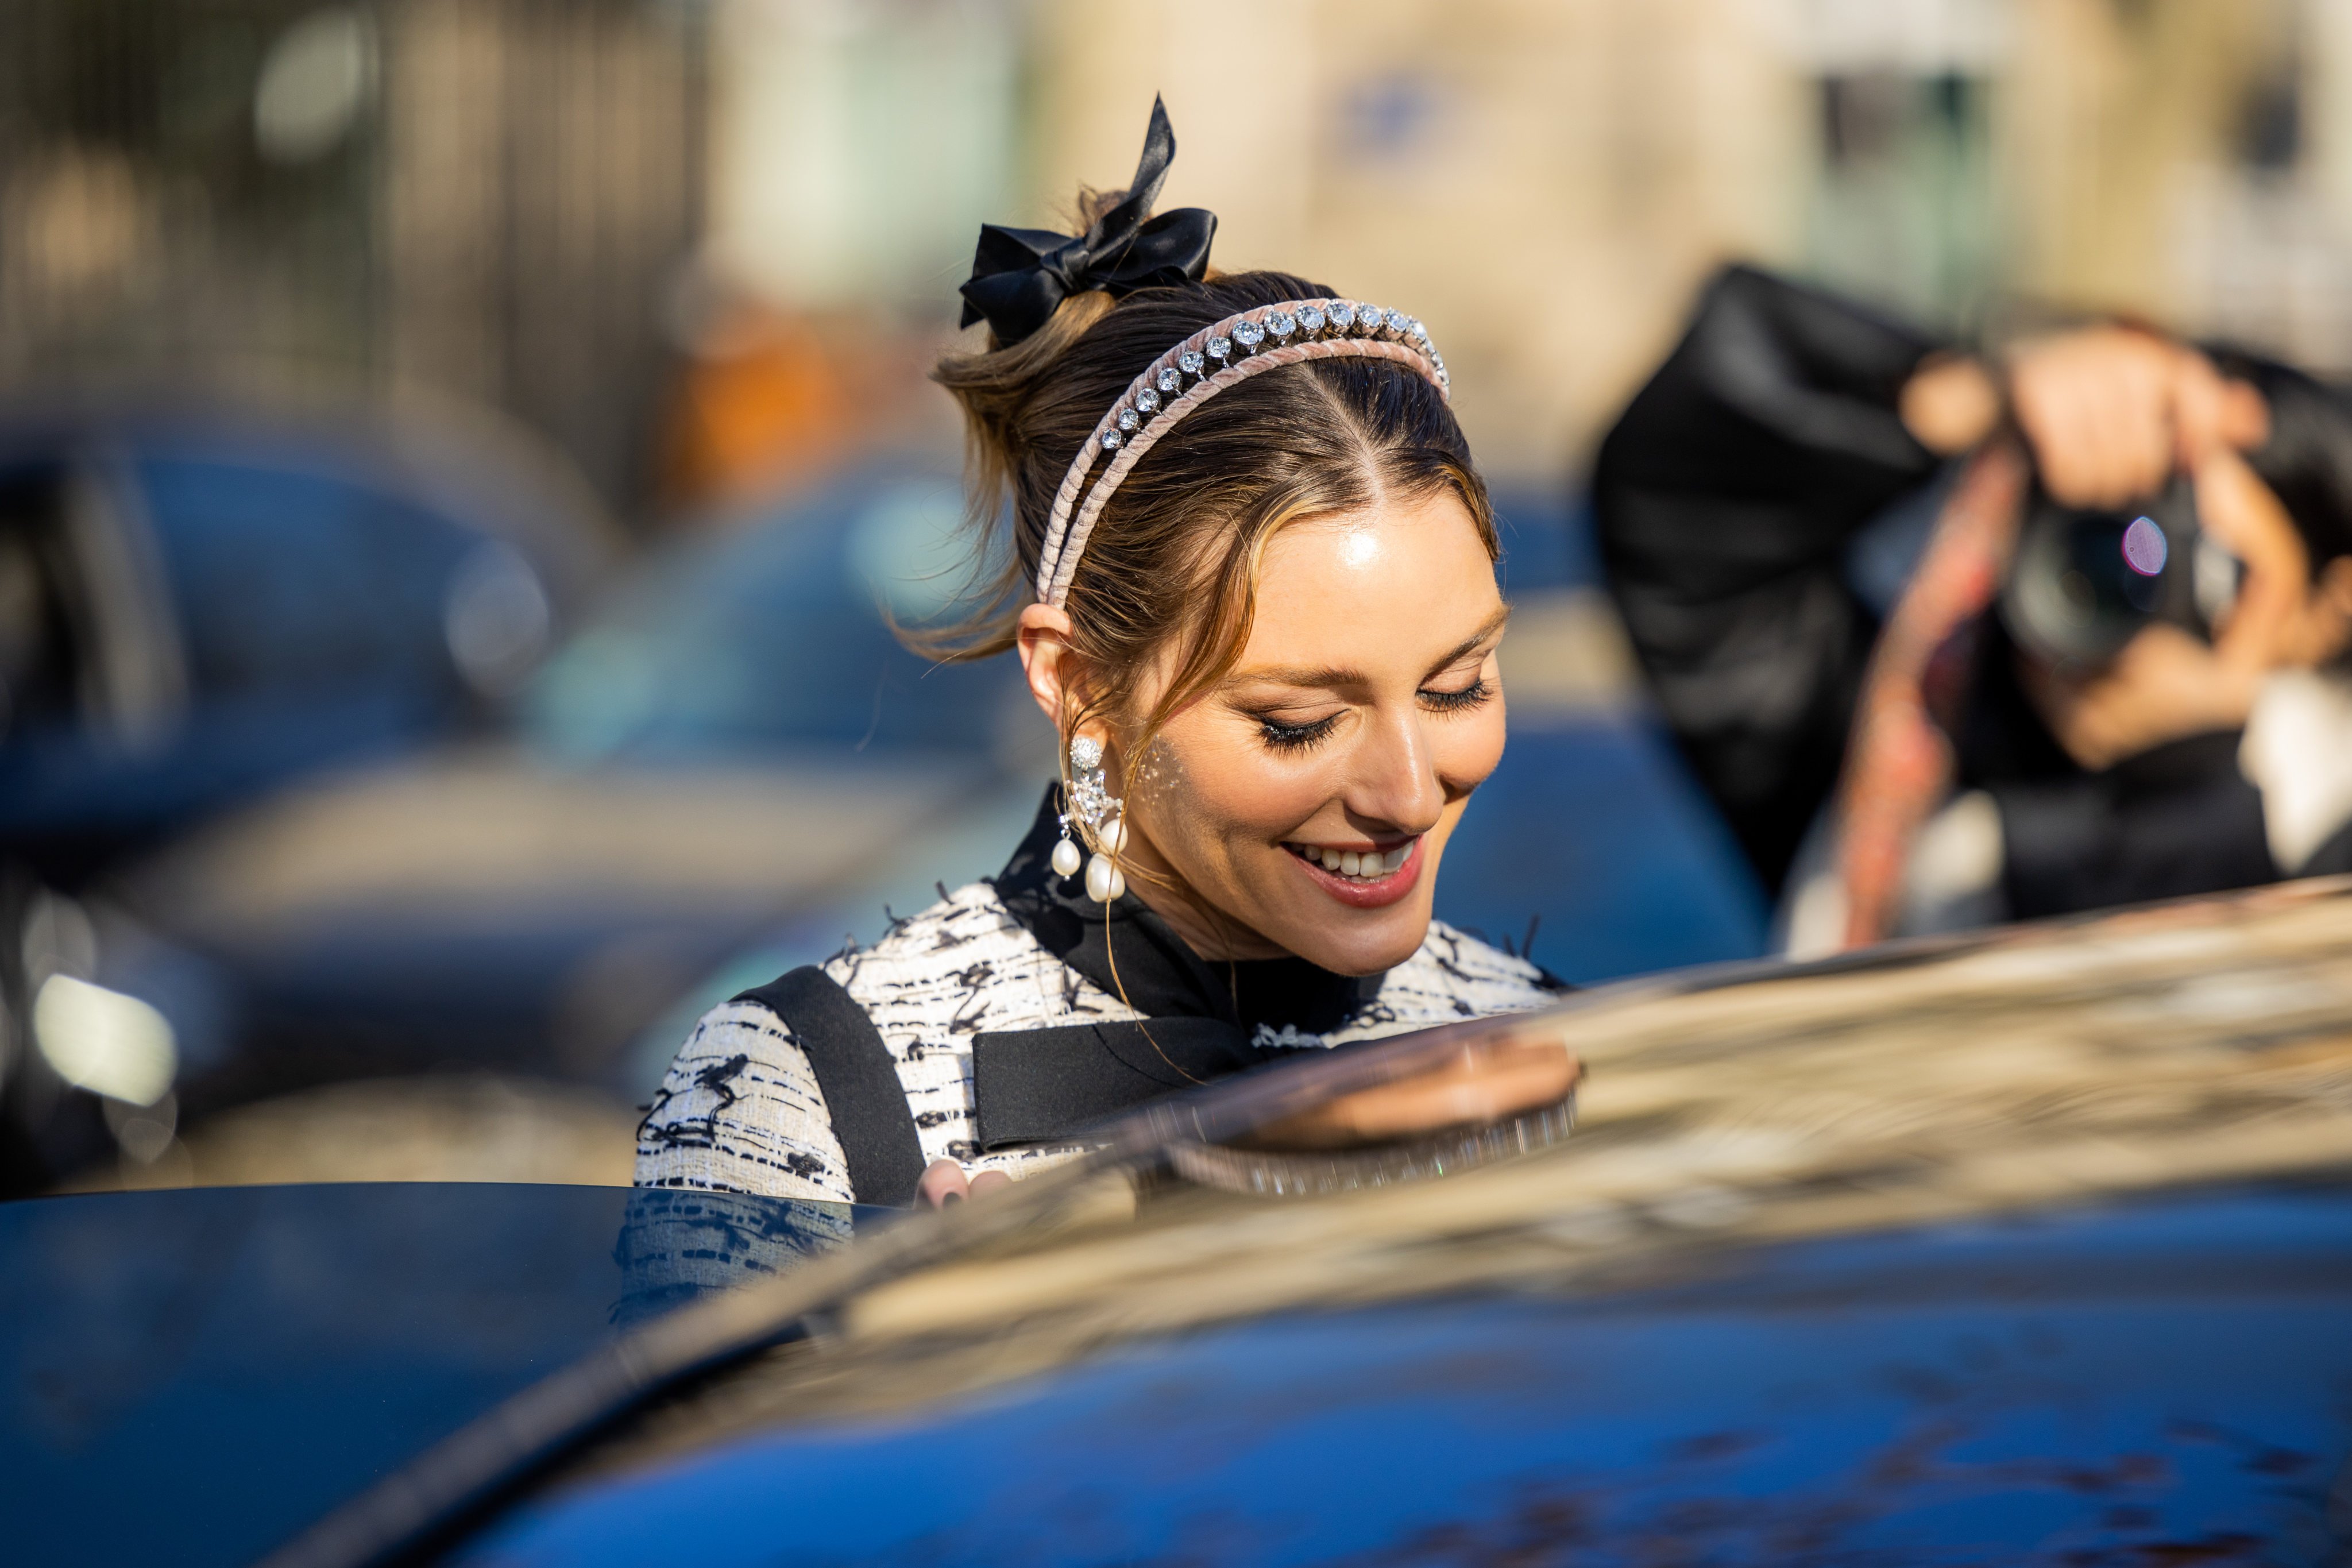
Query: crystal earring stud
{"points": [[1088, 801]]}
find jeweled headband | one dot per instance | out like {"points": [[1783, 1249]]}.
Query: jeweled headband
{"points": [[1021, 276], [1207, 362]]}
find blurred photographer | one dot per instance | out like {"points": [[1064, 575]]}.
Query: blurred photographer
{"points": [[1954, 639]]}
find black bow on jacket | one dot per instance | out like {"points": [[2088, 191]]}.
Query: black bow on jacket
{"points": [[1021, 276]]}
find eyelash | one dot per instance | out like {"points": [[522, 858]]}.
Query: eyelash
{"points": [[1470, 696], [1282, 737]]}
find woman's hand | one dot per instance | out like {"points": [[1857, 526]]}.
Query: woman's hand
{"points": [[1487, 1082], [945, 1183]]}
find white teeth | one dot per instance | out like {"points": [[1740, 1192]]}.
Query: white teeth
{"points": [[1364, 864]]}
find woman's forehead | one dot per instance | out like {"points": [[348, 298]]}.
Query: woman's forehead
{"points": [[1394, 581], [1427, 527]]}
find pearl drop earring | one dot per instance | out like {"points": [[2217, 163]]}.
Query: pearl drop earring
{"points": [[1089, 801]]}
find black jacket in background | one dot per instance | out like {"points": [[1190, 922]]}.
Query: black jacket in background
{"points": [[1729, 499], [1726, 497]]}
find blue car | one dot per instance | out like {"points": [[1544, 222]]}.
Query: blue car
{"points": [[731, 745], [204, 602], [201, 602], [2033, 1248]]}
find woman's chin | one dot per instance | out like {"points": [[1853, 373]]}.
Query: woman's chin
{"points": [[1367, 952], [1355, 941]]}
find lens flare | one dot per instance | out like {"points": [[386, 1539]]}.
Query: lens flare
{"points": [[2145, 547]]}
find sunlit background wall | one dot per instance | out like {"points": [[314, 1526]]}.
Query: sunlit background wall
{"points": [[557, 208]]}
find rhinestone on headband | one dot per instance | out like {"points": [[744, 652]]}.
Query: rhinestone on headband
{"points": [[1216, 357]]}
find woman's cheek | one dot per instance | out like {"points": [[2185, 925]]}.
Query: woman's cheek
{"points": [[1469, 750], [1260, 795], [1210, 787]]}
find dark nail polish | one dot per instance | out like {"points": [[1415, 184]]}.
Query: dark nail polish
{"points": [[950, 1198]]}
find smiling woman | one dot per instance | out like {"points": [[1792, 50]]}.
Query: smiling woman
{"points": [[1299, 803], [1251, 579]]}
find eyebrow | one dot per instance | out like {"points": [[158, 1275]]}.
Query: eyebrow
{"points": [[1300, 675]]}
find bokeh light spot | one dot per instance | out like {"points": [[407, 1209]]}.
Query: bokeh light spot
{"points": [[2144, 548]]}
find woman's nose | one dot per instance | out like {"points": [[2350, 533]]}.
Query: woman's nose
{"points": [[1396, 784]]}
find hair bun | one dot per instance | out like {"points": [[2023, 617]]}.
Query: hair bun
{"points": [[1021, 276]]}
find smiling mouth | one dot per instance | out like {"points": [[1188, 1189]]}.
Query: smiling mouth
{"points": [[1366, 866]]}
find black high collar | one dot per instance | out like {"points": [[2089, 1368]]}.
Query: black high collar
{"points": [[1159, 974]]}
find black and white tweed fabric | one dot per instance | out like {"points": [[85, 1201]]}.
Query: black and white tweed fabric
{"points": [[740, 1110]]}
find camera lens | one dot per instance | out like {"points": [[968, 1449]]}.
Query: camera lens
{"points": [[2086, 580]]}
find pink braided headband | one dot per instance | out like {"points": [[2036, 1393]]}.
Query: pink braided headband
{"points": [[1196, 370]]}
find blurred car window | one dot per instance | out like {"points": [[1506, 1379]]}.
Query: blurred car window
{"points": [[300, 581], [197, 608], [770, 636], [40, 661]]}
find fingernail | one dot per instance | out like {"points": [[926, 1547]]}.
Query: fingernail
{"points": [[950, 1198]]}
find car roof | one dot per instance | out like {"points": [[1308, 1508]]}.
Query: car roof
{"points": [[2152, 1379]]}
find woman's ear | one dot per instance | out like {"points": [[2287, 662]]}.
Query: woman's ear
{"points": [[1049, 662]]}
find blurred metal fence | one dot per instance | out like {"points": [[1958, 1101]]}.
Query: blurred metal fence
{"points": [[489, 198]]}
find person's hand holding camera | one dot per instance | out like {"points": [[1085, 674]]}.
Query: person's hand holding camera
{"points": [[2110, 414], [2167, 685], [2108, 411]]}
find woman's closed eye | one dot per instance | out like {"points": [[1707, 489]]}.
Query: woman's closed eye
{"points": [[1289, 735], [1282, 735], [1457, 698]]}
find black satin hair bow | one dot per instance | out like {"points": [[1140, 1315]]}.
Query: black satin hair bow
{"points": [[1021, 276]]}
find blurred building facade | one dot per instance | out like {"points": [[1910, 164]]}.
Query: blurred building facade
{"points": [[483, 199], [1545, 181], [655, 228]]}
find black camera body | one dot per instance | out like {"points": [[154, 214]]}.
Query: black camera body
{"points": [[2084, 581]]}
